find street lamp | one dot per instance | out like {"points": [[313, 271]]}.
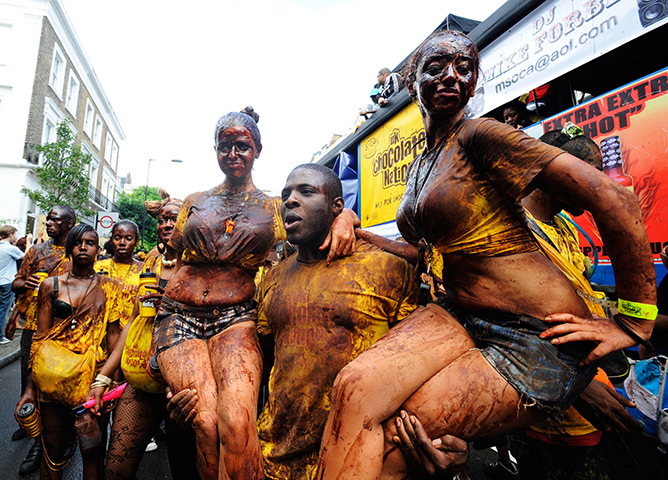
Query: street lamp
{"points": [[143, 221]]}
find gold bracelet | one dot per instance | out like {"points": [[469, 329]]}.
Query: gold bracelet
{"points": [[103, 379], [645, 311], [97, 383]]}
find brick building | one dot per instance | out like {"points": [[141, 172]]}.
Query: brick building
{"points": [[45, 76]]}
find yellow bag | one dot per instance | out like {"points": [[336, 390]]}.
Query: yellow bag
{"points": [[60, 374], [137, 354]]}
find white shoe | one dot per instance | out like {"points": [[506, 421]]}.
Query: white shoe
{"points": [[5, 341], [151, 445]]}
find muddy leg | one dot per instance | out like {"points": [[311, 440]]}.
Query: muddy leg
{"points": [[374, 386], [467, 399], [187, 365], [90, 444], [57, 436], [237, 365], [136, 419]]}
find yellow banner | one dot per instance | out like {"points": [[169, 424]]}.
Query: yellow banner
{"points": [[384, 159]]}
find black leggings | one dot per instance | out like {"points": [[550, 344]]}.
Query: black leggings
{"points": [[136, 419]]}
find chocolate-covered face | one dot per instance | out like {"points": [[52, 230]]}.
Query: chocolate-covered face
{"points": [[85, 250], [55, 223], [306, 208], [446, 76], [166, 221], [124, 240], [236, 153]]}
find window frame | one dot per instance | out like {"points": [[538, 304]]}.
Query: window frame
{"points": [[57, 78]]}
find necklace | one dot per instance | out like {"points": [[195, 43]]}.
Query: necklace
{"points": [[75, 314], [82, 277], [168, 263]]}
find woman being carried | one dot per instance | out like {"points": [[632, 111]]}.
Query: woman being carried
{"points": [[76, 312], [490, 358], [205, 329]]}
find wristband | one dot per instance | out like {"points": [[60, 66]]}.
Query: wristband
{"points": [[645, 311], [627, 330]]}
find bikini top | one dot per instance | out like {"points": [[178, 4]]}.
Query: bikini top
{"points": [[60, 308]]}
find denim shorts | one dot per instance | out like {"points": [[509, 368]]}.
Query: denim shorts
{"points": [[545, 374], [177, 322]]}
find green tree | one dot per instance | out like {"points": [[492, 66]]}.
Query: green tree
{"points": [[63, 175], [131, 207]]}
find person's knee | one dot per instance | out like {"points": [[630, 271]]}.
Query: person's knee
{"points": [[205, 422], [354, 389], [235, 425]]}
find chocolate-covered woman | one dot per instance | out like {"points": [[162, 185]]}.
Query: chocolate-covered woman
{"points": [[514, 341], [205, 330], [77, 322]]}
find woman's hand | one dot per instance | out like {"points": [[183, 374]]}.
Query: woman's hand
{"points": [[156, 297], [433, 458], [603, 331], [29, 396], [96, 393], [341, 237]]}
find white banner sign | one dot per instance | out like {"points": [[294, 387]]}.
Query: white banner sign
{"points": [[106, 220], [557, 37]]}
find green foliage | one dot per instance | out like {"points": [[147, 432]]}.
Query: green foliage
{"points": [[131, 207], [63, 175]]}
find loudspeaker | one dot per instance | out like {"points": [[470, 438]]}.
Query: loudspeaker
{"points": [[651, 11]]}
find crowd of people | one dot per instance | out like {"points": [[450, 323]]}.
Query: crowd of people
{"points": [[362, 382]]}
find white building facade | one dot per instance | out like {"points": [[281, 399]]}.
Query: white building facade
{"points": [[45, 76]]}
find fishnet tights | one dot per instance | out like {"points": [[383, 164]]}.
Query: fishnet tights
{"points": [[136, 419]]}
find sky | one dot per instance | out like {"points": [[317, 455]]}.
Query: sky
{"points": [[172, 68]]}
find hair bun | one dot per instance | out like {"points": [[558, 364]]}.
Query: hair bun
{"points": [[251, 113]]}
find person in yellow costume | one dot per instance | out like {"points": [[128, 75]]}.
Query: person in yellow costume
{"points": [[141, 408], [557, 236], [46, 258], [77, 312], [122, 266]]}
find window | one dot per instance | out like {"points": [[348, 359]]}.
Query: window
{"points": [[114, 156], [97, 136], [52, 116], [57, 78], [107, 148], [88, 119], [93, 172], [72, 98]]}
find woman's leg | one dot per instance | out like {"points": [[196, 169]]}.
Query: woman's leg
{"points": [[58, 438], [467, 399], [136, 419], [187, 365], [237, 364], [181, 450], [375, 385], [92, 443]]}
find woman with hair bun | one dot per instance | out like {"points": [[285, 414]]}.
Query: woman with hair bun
{"points": [[205, 334]]}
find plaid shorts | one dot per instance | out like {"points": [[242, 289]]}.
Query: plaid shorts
{"points": [[177, 322]]}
